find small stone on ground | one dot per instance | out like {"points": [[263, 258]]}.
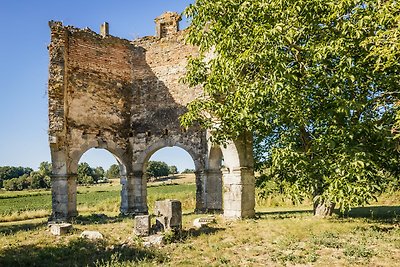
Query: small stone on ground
{"points": [[92, 235]]}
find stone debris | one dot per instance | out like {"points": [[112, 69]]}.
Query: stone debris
{"points": [[142, 225], [153, 240], [60, 228], [203, 221], [92, 235], [168, 215]]}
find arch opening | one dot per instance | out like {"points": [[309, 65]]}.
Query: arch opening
{"points": [[178, 181], [213, 180], [100, 182]]}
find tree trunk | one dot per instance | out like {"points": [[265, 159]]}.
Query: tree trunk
{"points": [[322, 209]]}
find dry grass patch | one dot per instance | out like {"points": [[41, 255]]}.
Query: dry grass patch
{"points": [[281, 235]]}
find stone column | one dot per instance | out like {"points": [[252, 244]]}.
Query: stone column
{"points": [[239, 193], [72, 211], [124, 195], [213, 191], [201, 177], [59, 193], [137, 194]]}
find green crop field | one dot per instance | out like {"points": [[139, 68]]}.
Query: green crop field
{"points": [[101, 198]]}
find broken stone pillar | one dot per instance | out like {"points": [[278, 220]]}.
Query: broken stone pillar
{"points": [[104, 29], [137, 194], [168, 214], [60, 228], [239, 193], [59, 191], [142, 225], [167, 23]]}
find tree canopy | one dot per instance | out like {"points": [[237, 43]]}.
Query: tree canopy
{"points": [[20, 178], [157, 169], [113, 172], [314, 81]]}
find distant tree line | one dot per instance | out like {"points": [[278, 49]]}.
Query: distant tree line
{"points": [[20, 178], [156, 169]]}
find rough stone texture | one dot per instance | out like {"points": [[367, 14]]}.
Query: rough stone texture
{"points": [[202, 222], [153, 241], [125, 97], [142, 225], [92, 235], [167, 24], [168, 214], [60, 228]]}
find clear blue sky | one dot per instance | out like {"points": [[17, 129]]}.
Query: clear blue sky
{"points": [[24, 36]]}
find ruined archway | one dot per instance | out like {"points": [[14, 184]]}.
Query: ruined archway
{"points": [[174, 183], [125, 96], [122, 177]]}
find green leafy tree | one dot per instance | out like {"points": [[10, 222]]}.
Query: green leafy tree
{"points": [[188, 171], [85, 174], [45, 168], [98, 173], [113, 172], [157, 169], [9, 172], [17, 184], [38, 180], [302, 76], [173, 169]]}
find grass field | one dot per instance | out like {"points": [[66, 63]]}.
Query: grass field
{"points": [[280, 235], [22, 205]]}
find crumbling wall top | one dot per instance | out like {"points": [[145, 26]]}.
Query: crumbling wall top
{"points": [[167, 23]]}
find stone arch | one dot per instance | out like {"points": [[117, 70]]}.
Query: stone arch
{"points": [[213, 180], [215, 157], [138, 183], [64, 187], [232, 188], [109, 146], [119, 156], [150, 150]]}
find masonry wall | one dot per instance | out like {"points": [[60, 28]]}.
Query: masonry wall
{"points": [[126, 97], [118, 91]]}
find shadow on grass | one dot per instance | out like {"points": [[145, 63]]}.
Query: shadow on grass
{"points": [[283, 214], [192, 232], [12, 229], [202, 231], [379, 213], [96, 219], [78, 252]]}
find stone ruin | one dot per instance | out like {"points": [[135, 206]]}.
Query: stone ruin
{"points": [[168, 216], [125, 96]]}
